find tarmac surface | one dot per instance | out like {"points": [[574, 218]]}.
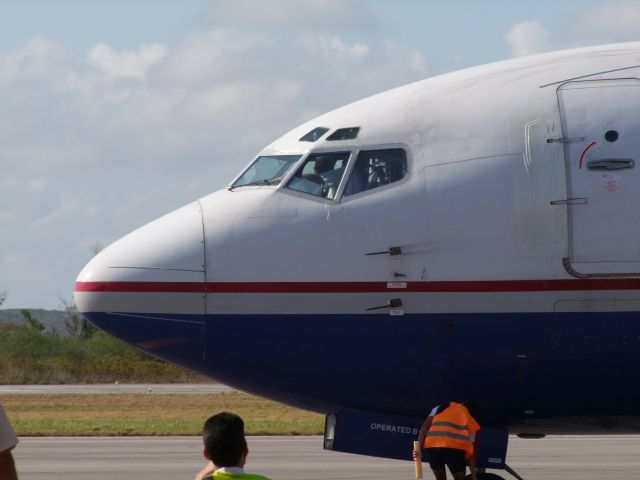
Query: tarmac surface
{"points": [[294, 458], [117, 388]]}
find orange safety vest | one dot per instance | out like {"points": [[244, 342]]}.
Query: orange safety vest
{"points": [[452, 428]]}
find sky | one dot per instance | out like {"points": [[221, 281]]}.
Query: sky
{"points": [[114, 113]]}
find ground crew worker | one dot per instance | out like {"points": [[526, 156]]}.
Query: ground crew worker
{"points": [[447, 435], [226, 449]]}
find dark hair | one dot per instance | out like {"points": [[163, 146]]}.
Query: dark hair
{"points": [[223, 436]]}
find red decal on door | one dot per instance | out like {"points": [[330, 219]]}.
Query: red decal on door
{"points": [[585, 152]]}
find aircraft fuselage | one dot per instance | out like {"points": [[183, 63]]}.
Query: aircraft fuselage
{"points": [[480, 239]]}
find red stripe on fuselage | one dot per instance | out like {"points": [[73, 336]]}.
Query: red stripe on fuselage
{"points": [[361, 287], [140, 287]]}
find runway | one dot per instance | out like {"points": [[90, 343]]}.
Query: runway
{"points": [[295, 458], [117, 388]]}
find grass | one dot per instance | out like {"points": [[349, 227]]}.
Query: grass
{"points": [[150, 414], [31, 356]]}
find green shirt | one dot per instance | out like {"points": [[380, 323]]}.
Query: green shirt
{"points": [[237, 476]]}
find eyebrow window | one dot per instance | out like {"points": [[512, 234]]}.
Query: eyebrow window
{"points": [[321, 174], [314, 134], [375, 168], [344, 134]]}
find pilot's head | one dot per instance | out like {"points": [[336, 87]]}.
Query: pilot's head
{"points": [[323, 163], [224, 442]]}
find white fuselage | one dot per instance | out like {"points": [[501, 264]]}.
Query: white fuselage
{"points": [[520, 198]]}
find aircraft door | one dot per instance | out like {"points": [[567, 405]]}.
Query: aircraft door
{"points": [[601, 136]]}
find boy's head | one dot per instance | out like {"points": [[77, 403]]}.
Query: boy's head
{"points": [[224, 442]]}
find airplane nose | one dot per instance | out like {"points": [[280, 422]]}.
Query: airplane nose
{"points": [[148, 288]]}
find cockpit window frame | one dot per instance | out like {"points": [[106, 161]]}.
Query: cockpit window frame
{"points": [[354, 152], [318, 151], [314, 135], [294, 166], [368, 148], [344, 134]]}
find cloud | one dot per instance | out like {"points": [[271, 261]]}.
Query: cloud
{"points": [[606, 22], [125, 64], [528, 38], [218, 55], [36, 57], [96, 145]]}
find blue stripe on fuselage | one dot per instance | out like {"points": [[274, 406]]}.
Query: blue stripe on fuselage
{"points": [[551, 365]]}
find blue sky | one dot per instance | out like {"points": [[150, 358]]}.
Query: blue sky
{"points": [[113, 113], [79, 25], [445, 31]]}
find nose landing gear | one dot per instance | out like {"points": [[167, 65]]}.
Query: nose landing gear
{"points": [[492, 453]]}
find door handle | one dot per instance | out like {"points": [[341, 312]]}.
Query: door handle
{"points": [[611, 164]]}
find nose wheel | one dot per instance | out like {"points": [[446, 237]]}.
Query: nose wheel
{"points": [[491, 453]]}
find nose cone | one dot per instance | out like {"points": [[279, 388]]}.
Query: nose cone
{"points": [[148, 287]]}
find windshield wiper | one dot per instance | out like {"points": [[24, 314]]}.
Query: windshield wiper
{"points": [[259, 183]]}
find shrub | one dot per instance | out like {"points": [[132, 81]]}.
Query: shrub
{"points": [[30, 355]]}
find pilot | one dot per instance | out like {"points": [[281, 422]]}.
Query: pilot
{"points": [[325, 167], [226, 449], [323, 164], [8, 441], [448, 435]]}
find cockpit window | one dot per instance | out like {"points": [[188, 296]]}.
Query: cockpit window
{"points": [[321, 174], [267, 170], [344, 134], [375, 168], [314, 134]]}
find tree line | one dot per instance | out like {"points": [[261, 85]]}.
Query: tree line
{"points": [[29, 354]]}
